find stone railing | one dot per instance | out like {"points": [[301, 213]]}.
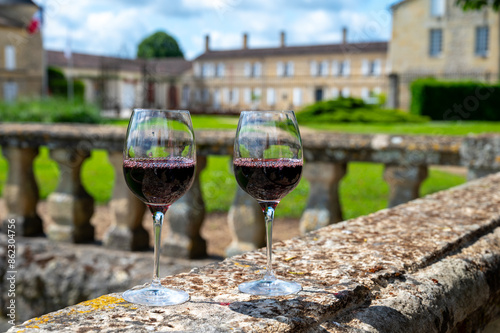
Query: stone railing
{"points": [[327, 155], [431, 265]]}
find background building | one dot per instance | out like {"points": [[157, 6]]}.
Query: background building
{"points": [[286, 77], [21, 51], [436, 38]]}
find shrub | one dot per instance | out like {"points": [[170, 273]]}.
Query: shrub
{"points": [[445, 100], [51, 110], [353, 110]]}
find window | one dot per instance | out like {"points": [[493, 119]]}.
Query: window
{"points": [[289, 69], [220, 69], [205, 95], [271, 96], [256, 95], [345, 68], [482, 37], [313, 68], [335, 93], [235, 96], [247, 96], [371, 68], [323, 68], [185, 96], [436, 42], [365, 94], [10, 91], [346, 92], [438, 8], [284, 69], [257, 69], [10, 57], [207, 70], [217, 99], [297, 96], [335, 68], [247, 69]]}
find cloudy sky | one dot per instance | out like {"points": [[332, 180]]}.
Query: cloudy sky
{"points": [[115, 27]]}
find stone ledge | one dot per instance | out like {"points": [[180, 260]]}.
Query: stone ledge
{"points": [[407, 150], [430, 265]]}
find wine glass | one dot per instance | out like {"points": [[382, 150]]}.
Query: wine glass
{"points": [[159, 167], [268, 165]]}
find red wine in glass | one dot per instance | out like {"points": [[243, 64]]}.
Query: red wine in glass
{"points": [[267, 179], [159, 181], [159, 167], [267, 162]]}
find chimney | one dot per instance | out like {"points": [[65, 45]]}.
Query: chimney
{"points": [[207, 43], [282, 39], [344, 35], [245, 41]]}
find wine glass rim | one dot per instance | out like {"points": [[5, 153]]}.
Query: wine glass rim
{"points": [[160, 110]]}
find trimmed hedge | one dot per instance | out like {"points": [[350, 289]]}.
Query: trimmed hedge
{"points": [[353, 110], [445, 100]]}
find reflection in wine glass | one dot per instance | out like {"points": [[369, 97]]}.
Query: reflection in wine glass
{"points": [[268, 165]]}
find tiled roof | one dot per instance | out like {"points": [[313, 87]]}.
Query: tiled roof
{"points": [[170, 66], [297, 50]]}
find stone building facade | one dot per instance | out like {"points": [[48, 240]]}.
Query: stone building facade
{"points": [[437, 38], [285, 77], [21, 53], [122, 84]]}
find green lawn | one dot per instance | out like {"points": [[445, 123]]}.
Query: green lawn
{"points": [[362, 191]]}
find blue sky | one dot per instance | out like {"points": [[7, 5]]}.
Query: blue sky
{"points": [[115, 27]]}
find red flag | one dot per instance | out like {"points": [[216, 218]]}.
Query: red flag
{"points": [[35, 23]]}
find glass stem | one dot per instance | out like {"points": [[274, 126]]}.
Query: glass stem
{"points": [[268, 209], [157, 225]]}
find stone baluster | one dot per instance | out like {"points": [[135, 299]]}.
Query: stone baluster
{"points": [[404, 182], [185, 219], [246, 224], [127, 213], [323, 207], [70, 206], [21, 191]]}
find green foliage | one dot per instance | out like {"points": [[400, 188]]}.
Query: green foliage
{"points": [[159, 45], [51, 110], [455, 100], [347, 110], [58, 85], [478, 4]]}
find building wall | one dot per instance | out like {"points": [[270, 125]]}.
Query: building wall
{"points": [[27, 74], [286, 88], [409, 47]]}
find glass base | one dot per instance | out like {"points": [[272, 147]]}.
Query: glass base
{"points": [[270, 287], [156, 296]]}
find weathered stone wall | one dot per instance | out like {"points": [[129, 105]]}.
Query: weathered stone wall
{"points": [[431, 265], [53, 275]]}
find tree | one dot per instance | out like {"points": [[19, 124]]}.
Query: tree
{"points": [[478, 4], [159, 45]]}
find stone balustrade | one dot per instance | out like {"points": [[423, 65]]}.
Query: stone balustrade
{"points": [[327, 156], [430, 265]]}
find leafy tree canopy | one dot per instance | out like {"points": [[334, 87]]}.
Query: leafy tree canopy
{"points": [[478, 4], [159, 45]]}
